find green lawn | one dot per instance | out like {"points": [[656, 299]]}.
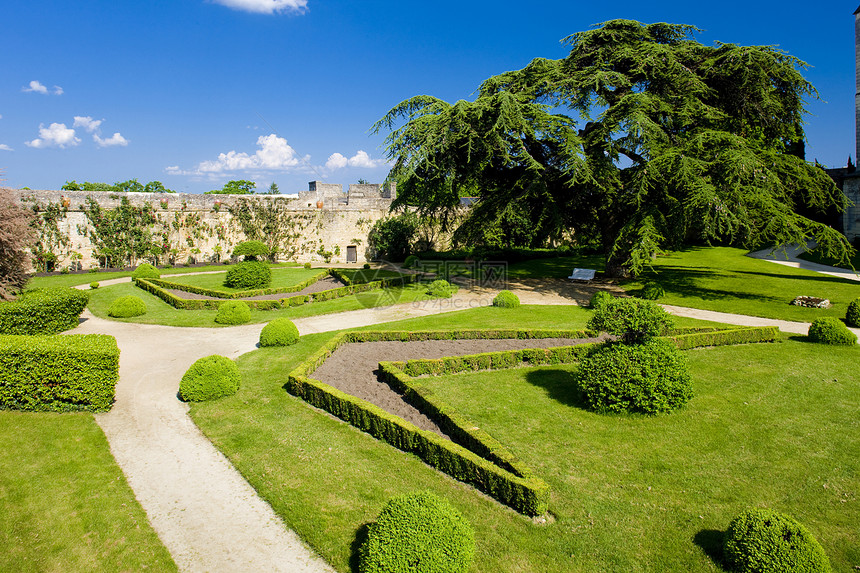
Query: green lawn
{"points": [[815, 257], [281, 277], [65, 504], [555, 268], [771, 425]]}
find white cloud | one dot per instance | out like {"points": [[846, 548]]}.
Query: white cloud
{"points": [[336, 161], [274, 154], [35, 86], [58, 90], [361, 160], [55, 135], [4, 147], [266, 6], [87, 123], [113, 140]]}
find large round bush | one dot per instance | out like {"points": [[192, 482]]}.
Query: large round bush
{"points": [[418, 533], [249, 275], [829, 330], [251, 250], [146, 271], [852, 317], [764, 541], [279, 332], [633, 319], [209, 378], [127, 307], [441, 288], [233, 312], [647, 378], [506, 299], [411, 262]]}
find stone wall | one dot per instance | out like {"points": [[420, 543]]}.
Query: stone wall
{"points": [[322, 220], [851, 216]]}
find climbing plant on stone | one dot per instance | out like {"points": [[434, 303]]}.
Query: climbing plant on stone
{"points": [[122, 234]]}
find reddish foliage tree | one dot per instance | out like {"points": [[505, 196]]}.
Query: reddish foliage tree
{"points": [[15, 234]]}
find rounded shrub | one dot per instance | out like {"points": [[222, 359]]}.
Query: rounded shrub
{"points": [[366, 266], [249, 275], [307, 265], [209, 378], [411, 262], [506, 299], [441, 288], [764, 541], [279, 332], [127, 307], [648, 378], [233, 312], [653, 291], [599, 298], [418, 533], [146, 271], [829, 330], [634, 320], [852, 317], [94, 285], [251, 250]]}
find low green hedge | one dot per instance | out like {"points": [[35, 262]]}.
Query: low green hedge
{"points": [[151, 287], [43, 311], [239, 294], [58, 373], [728, 337]]}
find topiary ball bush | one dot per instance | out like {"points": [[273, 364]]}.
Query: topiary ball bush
{"points": [[634, 320], [653, 291], [649, 378], [127, 307], [411, 262], [764, 541], [251, 250], [307, 265], [279, 332], [209, 378], [418, 533], [506, 299], [249, 275], [146, 271], [441, 288], [366, 266], [830, 330], [599, 298], [233, 312], [852, 317], [94, 285]]}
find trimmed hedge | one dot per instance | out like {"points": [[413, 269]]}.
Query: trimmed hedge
{"points": [[852, 316], [209, 378], [146, 271], [127, 307], [506, 299], [599, 299], [43, 311], [150, 286], [830, 330], [279, 332], [763, 540], [713, 337], [233, 312], [418, 533], [633, 319], [58, 373], [249, 274]]}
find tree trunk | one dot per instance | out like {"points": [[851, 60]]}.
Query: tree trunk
{"points": [[615, 267]]}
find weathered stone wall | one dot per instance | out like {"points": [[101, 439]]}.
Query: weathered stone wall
{"points": [[851, 216], [201, 227]]}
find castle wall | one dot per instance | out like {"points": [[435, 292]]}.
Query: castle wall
{"points": [[851, 216]]}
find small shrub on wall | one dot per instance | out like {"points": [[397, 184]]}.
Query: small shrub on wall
{"points": [[233, 312], [43, 311], [209, 378], [249, 275]]}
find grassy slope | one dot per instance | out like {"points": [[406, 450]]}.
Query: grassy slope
{"points": [[771, 430], [813, 256], [65, 504]]}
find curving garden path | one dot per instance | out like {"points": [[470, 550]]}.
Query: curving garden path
{"points": [[206, 514]]}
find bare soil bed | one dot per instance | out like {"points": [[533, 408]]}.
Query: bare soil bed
{"points": [[353, 368], [326, 283]]}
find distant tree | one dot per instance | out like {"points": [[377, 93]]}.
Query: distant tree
{"points": [[239, 187], [130, 186], [273, 189], [156, 187], [15, 234], [363, 181], [87, 186]]}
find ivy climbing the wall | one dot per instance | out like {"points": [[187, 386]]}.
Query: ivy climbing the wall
{"points": [[121, 235]]}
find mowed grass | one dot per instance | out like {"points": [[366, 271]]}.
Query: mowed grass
{"points": [[816, 257], [281, 277], [65, 504], [772, 425]]}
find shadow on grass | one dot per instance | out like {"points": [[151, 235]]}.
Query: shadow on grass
{"points": [[685, 282], [711, 542], [560, 385], [355, 546]]}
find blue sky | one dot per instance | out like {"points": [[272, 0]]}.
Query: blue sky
{"points": [[197, 92]]}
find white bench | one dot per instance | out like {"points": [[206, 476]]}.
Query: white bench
{"points": [[582, 275]]}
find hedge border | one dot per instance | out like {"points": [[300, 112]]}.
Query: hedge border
{"points": [[243, 293]]}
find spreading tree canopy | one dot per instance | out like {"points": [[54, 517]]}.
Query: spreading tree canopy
{"points": [[641, 138]]}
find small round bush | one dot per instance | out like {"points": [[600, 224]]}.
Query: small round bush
{"points": [[146, 271], [648, 378], [411, 262], [506, 299], [279, 332], [249, 275], [634, 320], [366, 266], [653, 291], [764, 541], [418, 533], [830, 330], [852, 317], [599, 298], [441, 288], [251, 250], [307, 265], [233, 312], [209, 378], [127, 307], [94, 285]]}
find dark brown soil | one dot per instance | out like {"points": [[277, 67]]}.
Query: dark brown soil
{"points": [[326, 283], [353, 367]]}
